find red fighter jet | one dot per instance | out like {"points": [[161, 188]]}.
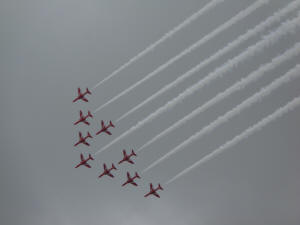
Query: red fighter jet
{"points": [[130, 180], [127, 157], [84, 161], [107, 171], [82, 140], [83, 118], [153, 191], [104, 128], [82, 95]]}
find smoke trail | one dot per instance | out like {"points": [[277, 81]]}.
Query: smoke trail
{"points": [[292, 74], [252, 77], [251, 130], [284, 29], [263, 25], [166, 36], [206, 38]]}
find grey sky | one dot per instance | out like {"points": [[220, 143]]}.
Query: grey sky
{"points": [[49, 48]]}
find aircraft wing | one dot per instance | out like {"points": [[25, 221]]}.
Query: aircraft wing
{"points": [[151, 187], [81, 157], [87, 165], [78, 91], [128, 175], [156, 194], [80, 113], [86, 122], [124, 152], [80, 135], [109, 174], [86, 143], [130, 161], [102, 124], [106, 131], [84, 99], [133, 183]]}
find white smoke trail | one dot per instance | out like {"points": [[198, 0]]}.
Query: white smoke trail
{"points": [[242, 14], [250, 33], [166, 36], [252, 77], [284, 29], [292, 74], [251, 130]]}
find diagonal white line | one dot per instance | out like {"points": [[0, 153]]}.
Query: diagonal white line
{"points": [[264, 92], [284, 29], [252, 77], [203, 40], [251, 130], [277, 16], [166, 36]]}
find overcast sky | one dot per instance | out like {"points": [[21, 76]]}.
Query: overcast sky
{"points": [[49, 48]]}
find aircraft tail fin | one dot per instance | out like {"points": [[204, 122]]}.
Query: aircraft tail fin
{"points": [[111, 124], [88, 91], [90, 157], [137, 175], [90, 114], [132, 152], [89, 135], [159, 187], [113, 166]]}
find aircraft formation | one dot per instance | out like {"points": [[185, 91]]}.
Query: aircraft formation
{"points": [[286, 25], [106, 129]]}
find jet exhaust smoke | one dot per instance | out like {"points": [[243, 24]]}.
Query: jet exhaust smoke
{"points": [[292, 74], [284, 29], [248, 132], [203, 40], [277, 16], [252, 77], [166, 36]]}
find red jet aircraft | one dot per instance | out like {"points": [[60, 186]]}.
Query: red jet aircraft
{"points": [[84, 161], [107, 171], [82, 140], [153, 191], [127, 157], [104, 128], [130, 180], [82, 95], [83, 118]]}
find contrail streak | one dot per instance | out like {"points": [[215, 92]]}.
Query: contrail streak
{"points": [[285, 28], [166, 36], [252, 77], [233, 112], [251, 130], [250, 33], [203, 40]]}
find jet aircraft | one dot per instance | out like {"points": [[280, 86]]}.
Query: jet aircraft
{"points": [[153, 191], [82, 140], [81, 96], [130, 180], [83, 118], [107, 171], [127, 157], [105, 128], [84, 161]]}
